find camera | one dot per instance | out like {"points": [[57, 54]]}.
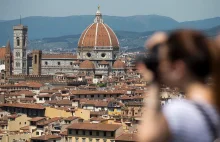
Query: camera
{"points": [[150, 59]]}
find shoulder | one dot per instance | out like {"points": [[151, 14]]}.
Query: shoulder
{"points": [[180, 113]]}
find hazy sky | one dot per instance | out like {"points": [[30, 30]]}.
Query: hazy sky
{"points": [[180, 10]]}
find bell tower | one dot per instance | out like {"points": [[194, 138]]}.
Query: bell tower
{"points": [[36, 62], [20, 47]]}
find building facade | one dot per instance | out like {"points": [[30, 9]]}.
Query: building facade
{"points": [[20, 54], [97, 53]]}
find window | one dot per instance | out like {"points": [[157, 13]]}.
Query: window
{"points": [[112, 134], [37, 133], [58, 63], [17, 64], [35, 59], [103, 55], [24, 40], [97, 133], [20, 123], [90, 133], [46, 63], [70, 132], [84, 132], [17, 54], [104, 134], [71, 63], [88, 54], [18, 41], [76, 132], [24, 122]]}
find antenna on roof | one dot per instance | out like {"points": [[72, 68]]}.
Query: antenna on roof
{"points": [[20, 19]]}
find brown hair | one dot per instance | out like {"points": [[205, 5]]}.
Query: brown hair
{"points": [[199, 54], [215, 51]]}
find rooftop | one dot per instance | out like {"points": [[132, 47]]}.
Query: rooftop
{"points": [[97, 127]]}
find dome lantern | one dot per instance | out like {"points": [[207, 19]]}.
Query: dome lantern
{"points": [[98, 16]]}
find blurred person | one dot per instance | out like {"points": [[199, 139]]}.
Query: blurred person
{"points": [[186, 58]]}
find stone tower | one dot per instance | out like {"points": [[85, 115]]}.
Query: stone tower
{"points": [[36, 62], [20, 45], [8, 60]]}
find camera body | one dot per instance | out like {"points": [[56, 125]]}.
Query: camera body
{"points": [[151, 60]]}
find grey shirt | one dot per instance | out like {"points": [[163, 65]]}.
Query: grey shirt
{"points": [[186, 122]]}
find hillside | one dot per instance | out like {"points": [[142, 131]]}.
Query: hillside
{"points": [[130, 41], [40, 27]]}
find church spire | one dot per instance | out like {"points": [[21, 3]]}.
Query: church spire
{"points": [[98, 16]]}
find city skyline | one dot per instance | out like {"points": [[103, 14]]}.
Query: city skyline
{"points": [[196, 10]]}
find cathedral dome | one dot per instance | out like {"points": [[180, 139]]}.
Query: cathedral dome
{"points": [[119, 65], [98, 34], [86, 65]]}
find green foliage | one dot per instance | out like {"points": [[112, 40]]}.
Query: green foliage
{"points": [[102, 84]]}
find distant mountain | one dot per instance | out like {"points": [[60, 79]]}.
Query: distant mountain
{"points": [[41, 27], [129, 41], [202, 24], [2, 20]]}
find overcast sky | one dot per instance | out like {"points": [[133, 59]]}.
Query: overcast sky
{"points": [[180, 10]]}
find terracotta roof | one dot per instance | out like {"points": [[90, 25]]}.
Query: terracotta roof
{"points": [[2, 53], [71, 118], [31, 106], [48, 91], [76, 62], [25, 128], [98, 34], [49, 121], [46, 137], [97, 103], [29, 84], [86, 65], [45, 95], [97, 127], [35, 119], [119, 65], [64, 102], [88, 92], [27, 93], [104, 63], [59, 56], [127, 138]]}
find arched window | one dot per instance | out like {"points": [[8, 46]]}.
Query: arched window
{"points": [[46, 63], [35, 59], [17, 54], [17, 64], [18, 41], [24, 41]]}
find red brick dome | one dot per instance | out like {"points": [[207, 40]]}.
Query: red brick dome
{"points": [[86, 65], [98, 34], [119, 65]]}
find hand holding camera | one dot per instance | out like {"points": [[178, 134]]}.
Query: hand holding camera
{"points": [[147, 64]]}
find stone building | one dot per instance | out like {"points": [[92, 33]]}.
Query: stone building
{"points": [[97, 53], [20, 54]]}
